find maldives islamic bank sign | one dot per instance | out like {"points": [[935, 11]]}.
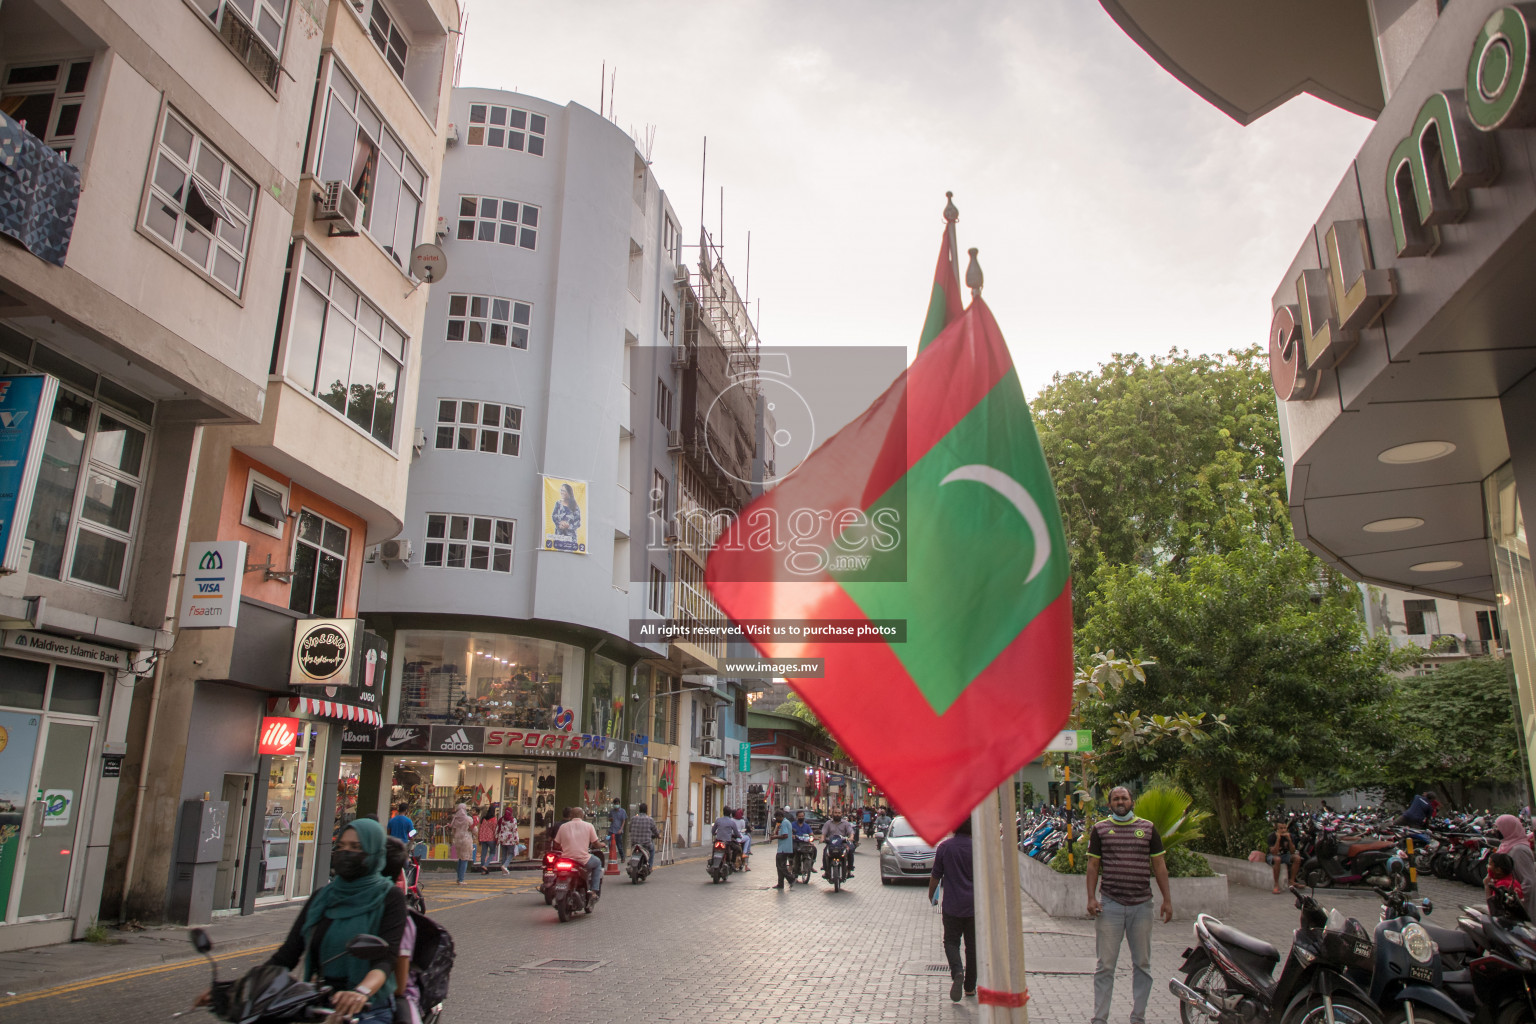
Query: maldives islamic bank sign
{"points": [[1429, 174]]}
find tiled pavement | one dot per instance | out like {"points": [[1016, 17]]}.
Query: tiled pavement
{"points": [[674, 949]]}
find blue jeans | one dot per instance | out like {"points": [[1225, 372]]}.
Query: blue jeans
{"points": [[377, 1015], [487, 853], [595, 865], [463, 866], [1118, 922]]}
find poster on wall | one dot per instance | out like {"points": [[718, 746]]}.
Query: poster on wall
{"points": [[565, 515], [26, 406], [18, 743]]}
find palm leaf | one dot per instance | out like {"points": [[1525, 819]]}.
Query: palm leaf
{"points": [[1168, 809]]}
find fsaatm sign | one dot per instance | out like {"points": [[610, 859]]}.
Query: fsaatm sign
{"points": [[210, 586]]}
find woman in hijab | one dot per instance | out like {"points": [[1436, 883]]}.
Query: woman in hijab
{"points": [[1518, 845], [506, 835], [358, 901], [485, 831], [463, 826]]}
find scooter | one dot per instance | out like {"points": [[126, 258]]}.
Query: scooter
{"points": [[722, 859], [639, 865], [1229, 975], [571, 895], [839, 862], [547, 883], [1406, 982], [270, 993], [1490, 962], [1377, 863]]}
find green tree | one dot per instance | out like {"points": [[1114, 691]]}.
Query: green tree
{"points": [[1260, 633], [1150, 456]]}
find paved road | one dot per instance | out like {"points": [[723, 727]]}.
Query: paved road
{"points": [[674, 949]]}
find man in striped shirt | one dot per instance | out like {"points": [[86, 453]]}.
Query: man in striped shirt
{"points": [[1125, 850]]}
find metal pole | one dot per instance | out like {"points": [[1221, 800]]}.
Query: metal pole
{"points": [[999, 915]]}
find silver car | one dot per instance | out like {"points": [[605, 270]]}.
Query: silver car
{"points": [[904, 854]]}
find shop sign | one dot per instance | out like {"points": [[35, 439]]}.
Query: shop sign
{"points": [[1448, 151], [112, 766], [357, 737], [744, 757], [404, 737], [558, 744], [322, 652], [57, 805], [279, 736], [26, 403], [457, 739], [66, 650], [210, 591], [1071, 741]]}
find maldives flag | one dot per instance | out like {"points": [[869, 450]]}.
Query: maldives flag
{"points": [[933, 511], [945, 305]]}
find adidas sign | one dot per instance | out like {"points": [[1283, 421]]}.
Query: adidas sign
{"points": [[456, 741]]}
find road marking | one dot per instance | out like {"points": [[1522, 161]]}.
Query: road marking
{"points": [[142, 972]]}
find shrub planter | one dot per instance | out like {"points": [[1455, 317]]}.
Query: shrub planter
{"points": [[1067, 895]]}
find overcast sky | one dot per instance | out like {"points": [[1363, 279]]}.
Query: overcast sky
{"points": [[1115, 210]]}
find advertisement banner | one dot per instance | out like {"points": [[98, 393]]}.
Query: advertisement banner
{"points": [[18, 743], [565, 515], [210, 593], [26, 405], [457, 739], [323, 650]]}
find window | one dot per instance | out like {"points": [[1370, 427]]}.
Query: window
{"points": [[636, 267], [47, 99], [266, 505], [470, 542], [659, 492], [342, 350], [1421, 617], [253, 29], [388, 38], [490, 125], [357, 148], [657, 599], [489, 319], [479, 426], [671, 240], [484, 219], [484, 679], [668, 318], [199, 205], [319, 566], [664, 403]]}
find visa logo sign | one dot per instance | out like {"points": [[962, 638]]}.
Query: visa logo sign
{"points": [[207, 588]]}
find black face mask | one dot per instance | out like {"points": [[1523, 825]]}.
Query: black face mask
{"points": [[349, 864]]}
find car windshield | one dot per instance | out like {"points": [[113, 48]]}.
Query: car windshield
{"points": [[900, 828]]}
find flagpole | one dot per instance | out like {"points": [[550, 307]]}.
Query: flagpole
{"points": [[999, 911]]}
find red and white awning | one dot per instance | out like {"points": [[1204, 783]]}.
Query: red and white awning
{"points": [[324, 709]]}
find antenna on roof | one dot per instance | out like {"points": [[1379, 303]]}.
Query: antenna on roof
{"points": [[602, 85], [458, 59]]}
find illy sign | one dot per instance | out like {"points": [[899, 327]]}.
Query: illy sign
{"points": [[278, 736]]}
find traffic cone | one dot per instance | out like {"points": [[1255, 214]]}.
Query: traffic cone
{"points": [[613, 856]]}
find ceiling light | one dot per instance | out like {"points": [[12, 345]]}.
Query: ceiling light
{"points": [[1416, 451], [1440, 566], [1393, 525]]}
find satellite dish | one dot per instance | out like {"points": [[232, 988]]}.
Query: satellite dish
{"points": [[429, 263]]}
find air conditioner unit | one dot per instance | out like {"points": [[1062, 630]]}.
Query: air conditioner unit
{"points": [[418, 441], [709, 748], [395, 551], [707, 728], [669, 535], [674, 440], [680, 274], [679, 357], [452, 135], [340, 205], [442, 228]]}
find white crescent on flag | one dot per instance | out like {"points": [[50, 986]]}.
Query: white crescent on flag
{"points": [[1021, 499]]}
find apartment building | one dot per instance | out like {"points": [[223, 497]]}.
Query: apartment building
{"points": [[226, 353]]}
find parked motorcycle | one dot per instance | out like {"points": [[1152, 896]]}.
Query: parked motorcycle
{"points": [[839, 862], [1405, 982], [1377, 863], [722, 859], [639, 865], [571, 894], [1489, 963], [1229, 975]]}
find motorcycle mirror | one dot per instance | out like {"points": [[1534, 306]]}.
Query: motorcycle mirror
{"points": [[200, 941]]}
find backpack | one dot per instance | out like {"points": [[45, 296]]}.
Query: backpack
{"points": [[431, 961]]}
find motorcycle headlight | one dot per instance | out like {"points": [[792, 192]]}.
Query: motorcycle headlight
{"points": [[1418, 944]]}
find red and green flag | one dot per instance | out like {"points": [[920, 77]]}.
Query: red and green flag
{"points": [[946, 304], [932, 513]]}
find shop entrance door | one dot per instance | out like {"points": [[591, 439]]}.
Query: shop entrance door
{"points": [[292, 817], [231, 871], [52, 823], [19, 733]]}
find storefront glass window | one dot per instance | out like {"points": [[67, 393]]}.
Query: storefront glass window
{"points": [[1517, 590], [346, 793], [606, 699], [479, 679], [433, 787]]}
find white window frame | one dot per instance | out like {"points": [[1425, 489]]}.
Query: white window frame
{"points": [[232, 200], [656, 596], [214, 11], [671, 240], [668, 318], [388, 166], [458, 429], [492, 545], [345, 555], [253, 480], [517, 129], [663, 403], [390, 30], [661, 494], [311, 271], [63, 98], [494, 215], [487, 319]]}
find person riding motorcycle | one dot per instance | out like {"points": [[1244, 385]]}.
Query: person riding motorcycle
{"points": [[728, 831], [835, 827], [643, 833], [802, 827], [576, 835]]}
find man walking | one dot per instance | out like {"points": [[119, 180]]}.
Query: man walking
{"points": [[616, 819], [952, 865], [1126, 850], [785, 854]]}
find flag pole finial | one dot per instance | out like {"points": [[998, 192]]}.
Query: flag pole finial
{"points": [[951, 213], [973, 279]]}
